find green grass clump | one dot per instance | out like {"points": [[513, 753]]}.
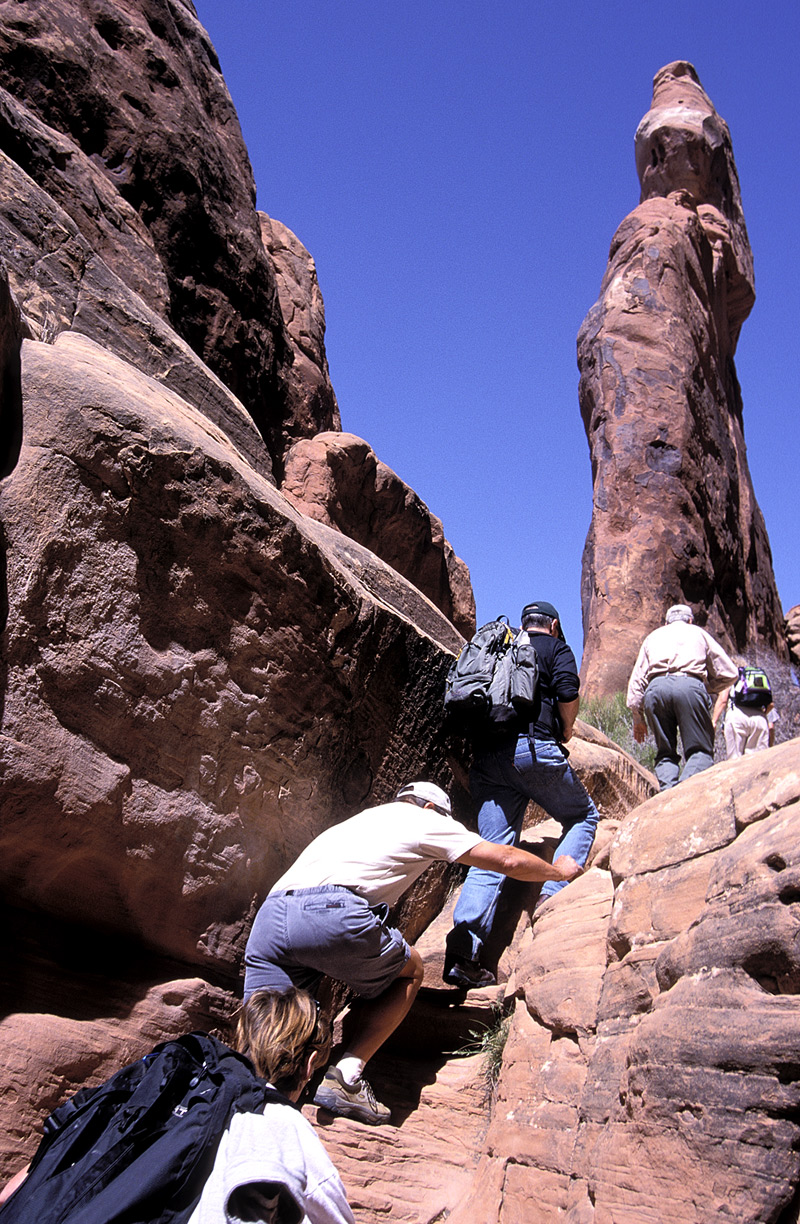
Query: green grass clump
{"points": [[611, 716], [490, 1041]]}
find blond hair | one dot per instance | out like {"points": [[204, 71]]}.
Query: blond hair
{"points": [[278, 1032]]}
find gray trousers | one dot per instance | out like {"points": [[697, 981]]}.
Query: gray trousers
{"points": [[679, 703]]}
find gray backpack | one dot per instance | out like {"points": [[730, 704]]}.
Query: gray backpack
{"points": [[493, 681]]}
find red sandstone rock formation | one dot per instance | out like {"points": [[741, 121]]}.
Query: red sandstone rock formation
{"points": [[674, 516], [105, 98], [195, 678], [336, 478], [650, 1071], [651, 1068], [792, 625], [308, 388], [113, 224]]}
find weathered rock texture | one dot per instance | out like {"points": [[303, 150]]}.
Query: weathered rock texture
{"points": [[651, 1070], [107, 98], [195, 678], [674, 516], [661, 1019], [127, 212], [336, 478], [309, 389], [792, 624]]}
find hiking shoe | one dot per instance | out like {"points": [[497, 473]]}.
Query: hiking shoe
{"points": [[466, 974], [358, 1102]]}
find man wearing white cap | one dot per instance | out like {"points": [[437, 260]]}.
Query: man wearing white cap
{"points": [[678, 665], [328, 915]]}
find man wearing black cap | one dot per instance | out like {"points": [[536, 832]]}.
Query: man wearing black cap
{"points": [[524, 761]]}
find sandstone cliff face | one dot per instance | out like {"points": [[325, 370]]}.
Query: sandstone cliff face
{"points": [[127, 214], [309, 391], [195, 678], [674, 515], [660, 1080], [106, 96], [336, 478]]}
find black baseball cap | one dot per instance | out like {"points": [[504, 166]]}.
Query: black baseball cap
{"points": [[540, 607]]}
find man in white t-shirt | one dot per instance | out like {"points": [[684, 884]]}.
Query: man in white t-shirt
{"points": [[327, 915]]}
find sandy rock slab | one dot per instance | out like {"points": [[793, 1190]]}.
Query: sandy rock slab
{"points": [[420, 1167], [651, 1071], [336, 478]]}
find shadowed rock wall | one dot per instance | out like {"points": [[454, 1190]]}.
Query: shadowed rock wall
{"points": [[130, 129], [195, 678], [674, 515]]}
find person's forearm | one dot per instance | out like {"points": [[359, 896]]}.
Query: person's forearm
{"points": [[519, 864], [13, 1184], [529, 867], [719, 705], [569, 712]]}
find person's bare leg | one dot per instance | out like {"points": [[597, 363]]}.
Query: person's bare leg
{"points": [[369, 1025]]}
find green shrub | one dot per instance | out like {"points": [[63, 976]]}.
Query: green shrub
{"points": [[611, 716]]}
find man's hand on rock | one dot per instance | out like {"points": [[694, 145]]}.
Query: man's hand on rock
{"points": [[568, 867]]}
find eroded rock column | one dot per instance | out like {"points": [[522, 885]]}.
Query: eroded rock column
{"points": [[674, 515]]}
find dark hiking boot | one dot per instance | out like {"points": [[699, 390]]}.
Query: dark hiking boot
{"points": [[359, 1102], [466, 974]]}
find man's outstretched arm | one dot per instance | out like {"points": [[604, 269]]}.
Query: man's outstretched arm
{"points": [[519, 864]]}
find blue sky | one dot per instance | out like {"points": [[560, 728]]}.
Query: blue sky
{"points": [[457, 168]]}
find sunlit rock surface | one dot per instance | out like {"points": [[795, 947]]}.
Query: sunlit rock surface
{"points": [[674, 516]]}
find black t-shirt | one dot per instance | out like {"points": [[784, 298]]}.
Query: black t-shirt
{"points": [[558, 681]]}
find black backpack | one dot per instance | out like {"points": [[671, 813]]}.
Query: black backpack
{"points": [[752, 688], [140, 1148], [493, 681]]}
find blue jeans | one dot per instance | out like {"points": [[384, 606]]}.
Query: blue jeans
{"points": [[503, 782]]}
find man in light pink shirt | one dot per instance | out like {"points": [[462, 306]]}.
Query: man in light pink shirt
{"points": [[679, 664]]}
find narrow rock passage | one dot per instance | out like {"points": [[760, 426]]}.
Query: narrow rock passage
{"points": [[420, 1167]]}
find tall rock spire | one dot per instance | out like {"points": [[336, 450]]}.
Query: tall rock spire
{"points": [[674, 515]]}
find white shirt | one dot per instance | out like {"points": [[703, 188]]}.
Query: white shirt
{"points": [[280, 1146], [680, 648], [379, 852]]}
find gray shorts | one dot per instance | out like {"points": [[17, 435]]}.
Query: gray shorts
{"points": [[301, 935]]}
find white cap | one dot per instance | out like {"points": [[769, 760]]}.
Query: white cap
{"points": [[429, 792], [679, 612]]}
